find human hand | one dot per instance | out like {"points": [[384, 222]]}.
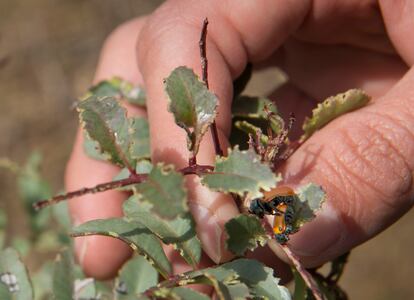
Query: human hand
{"points": [[364, 160]]}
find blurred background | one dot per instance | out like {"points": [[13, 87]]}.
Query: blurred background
{"points": [[48, 53]]}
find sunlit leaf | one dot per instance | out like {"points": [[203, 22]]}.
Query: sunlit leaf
{"points": [[164, 189], [192, 104], [63, 277], [244, 232], [241, 172], [135, 277], [180, 232], [309, 200], [332, 108], [138, 237], [14, 280], [140, 145]]}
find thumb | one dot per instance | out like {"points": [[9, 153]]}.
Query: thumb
{"points": [[364, 160], [237, 33]]}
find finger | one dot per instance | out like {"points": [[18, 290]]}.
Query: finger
{"points": [[170, 39], [364, 160], [100, 256]]}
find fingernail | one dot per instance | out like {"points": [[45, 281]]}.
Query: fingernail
{"points": [[320, 235], [209, 231]]}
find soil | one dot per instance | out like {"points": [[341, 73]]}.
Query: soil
{"points": [[48, 52]]}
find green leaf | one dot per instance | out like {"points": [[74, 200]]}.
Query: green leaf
{"points": [[241, 172], [138, 237], [43, 281], [192, 104], [252, 107], [182, 293], [249, 128], [135, 277], [140, 144], [63, 277], [332, 108], [308, 201], [164, 189], [258, 278], [301, 290], [244, 232], [14, 280], [117, 87], [179, 232], [105, 122]]}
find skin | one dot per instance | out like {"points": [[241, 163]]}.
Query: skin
{"points": [[364, 160]]}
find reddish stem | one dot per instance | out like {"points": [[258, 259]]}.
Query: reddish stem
{"points": [[204, 72]]}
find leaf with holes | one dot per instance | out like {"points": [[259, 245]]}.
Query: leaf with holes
{"points": [[180, 232], [240, 173], [332, 108], [192, 104], [14, 280], [309, 200], [164, 189], [244, 232], [138, 237]]}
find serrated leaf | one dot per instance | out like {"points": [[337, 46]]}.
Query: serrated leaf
{"points": [[117, 87], [192, 104], [138, 237], [63, 277], [140, 144], [105, 122], [135, 277], [179, 232], [258, 278], [164, 189], [244, 232], [241, 172], [309, 200], [14, 280], [332, 108]]}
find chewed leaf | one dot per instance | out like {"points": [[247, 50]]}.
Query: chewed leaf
{"points": [[332, 108], [135, 277], [244, 232], [164, 189], [106, 123], [240, 173], [309, 200], [138, 237], [192, 104], [117, 87], [14, 280], [63, 277], [179, 232]]}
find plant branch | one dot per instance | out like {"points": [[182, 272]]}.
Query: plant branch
{"points": [[204, 72], [133, 178], [307, 277]]}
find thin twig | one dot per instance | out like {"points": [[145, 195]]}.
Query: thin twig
{"points": [[132, 179], [307, 278], [204, 77]]}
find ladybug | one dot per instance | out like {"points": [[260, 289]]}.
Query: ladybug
{"points": [[278, 202]]}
